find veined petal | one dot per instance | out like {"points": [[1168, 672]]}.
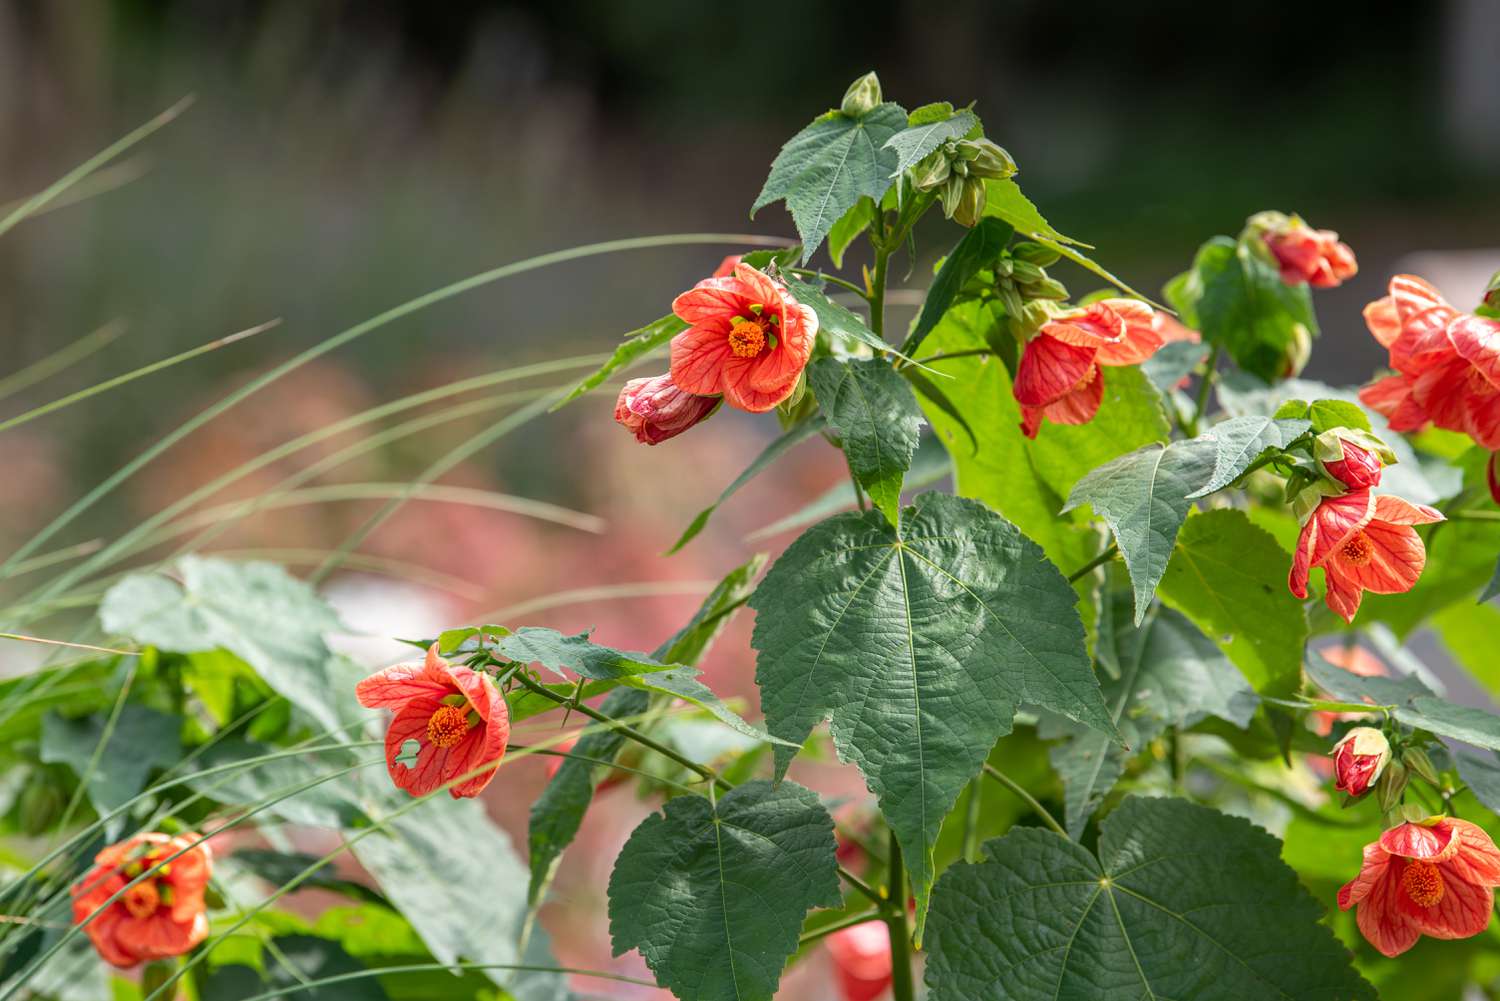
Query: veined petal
{"points": [[1371, 871], [1477, 341], [1092, 326], [698, 356], [1392, 398], [1051, 369], [1397, 511], [1079, 406], [710, 299], [1141, 339], [394, 687], [1419, 841], [1338, 518], [1383, 320]]}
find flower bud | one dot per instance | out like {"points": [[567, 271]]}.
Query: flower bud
{"points": [[1035, 253], [655, 409], [1294, 357], [986, 159], [862, 97], [970, 206], [1492, 294], [1025, 272], [1047, 288], [1304, 254], [1419, 764], [1353, 457], [1391, 785], [930, 171], [1359, 759]]}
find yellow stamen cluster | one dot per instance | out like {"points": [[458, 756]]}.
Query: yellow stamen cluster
{"points": [[747, 338], [1356, 549], [448, 725], [1423, 883]]}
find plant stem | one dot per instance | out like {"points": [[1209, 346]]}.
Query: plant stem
{"points": [[1098, 561], [877, 292], [1210, 370], [860, 885], [895, 923], [1031, 801], [945, 355], [1476, 515], [971, 820], [839, 925], [831, 279], [859, 493], [1178, 754], [624, 730]]}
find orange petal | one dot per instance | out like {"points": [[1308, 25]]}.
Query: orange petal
{"points": [[698, 357], [1141, 339], [1383, 320], [1392, 397], [1051, 369], [1379, 916], [394, 687], [1091, 326], [1079, 406], [710, 299], [1393, 509], [1419, 841]]}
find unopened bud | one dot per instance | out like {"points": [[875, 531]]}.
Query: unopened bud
{"points": [[1391, 785], [1294, 357], [1420, 765], [862, 97], [1352, 456], [1026, 272], [952, 193], [930, 171], [970, 208], [1047, 288], [1359, 759], [1035, 253], [986, 159], [1491, 304]]}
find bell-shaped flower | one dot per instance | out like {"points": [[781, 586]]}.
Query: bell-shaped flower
{"points": [[160, 913]]}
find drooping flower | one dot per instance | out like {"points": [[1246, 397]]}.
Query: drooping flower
{"points": [[862, 959], [1315, 256], [455, 715], [1432, 878], [1363, 543], [1060, 377], [1359, 758], [655, 409], [157, 917], [1447, 363], [749, 340]]}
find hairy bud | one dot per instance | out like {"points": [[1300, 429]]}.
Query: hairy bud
{"points": [[862, 97]]}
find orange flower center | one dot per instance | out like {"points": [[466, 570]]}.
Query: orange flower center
{"points": [[141, 900], [1423, 883], [1356, 549], [448, 725], [747, 338]]}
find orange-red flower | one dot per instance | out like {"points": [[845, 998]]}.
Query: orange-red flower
{"points": [[727, 265], [655, 409], [1310, 255], [1447, 363], [158, 916], [456, 716], [1363, 543], [1434, 878], [1059, 376], [748, 340], [862, 959], [1359, 759]]}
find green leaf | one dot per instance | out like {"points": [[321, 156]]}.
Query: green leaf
{"points": [[836, 319], [873, 411], [1145, 497], [848, 228], [793, 437], [930, 392], [1415, 705], [980, 247], [1229, 577], [1243, 304], [826, 168], [1326, 414], [1493, 587], [1242, 440], [143, 739], [1004, 200], [1180, 902], [1172, 363], [454, 875], [915, 142], [714, 894], [257, 611], [1170, 674], [1481, 773], [332, 804], [637, 344], [919, 642]]}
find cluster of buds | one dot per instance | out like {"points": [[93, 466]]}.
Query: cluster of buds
{"points": [[1024, 287], [1365, 761], [957, 170]]}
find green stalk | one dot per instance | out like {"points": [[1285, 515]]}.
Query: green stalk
{"points": [[895, 923], [1030, 800], [60, 360]]}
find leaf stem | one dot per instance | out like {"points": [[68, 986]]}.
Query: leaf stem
{"points": [[1093, 564], [1210, 371], [624, 730], [895, 923], [1475, 515], [864, 888], [971, 819], [832, 279], [1031, 801], [946, 355], [839, 925]]}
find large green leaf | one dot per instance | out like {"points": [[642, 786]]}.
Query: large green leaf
{"points": [[826, 168], [979, 247], [558, 812], [913, 143], [1413, 702], [456, 878], [1242, 440], [713, 893], [1229, 577], [1168, 674], [1144, 497], [919, 642], [1004, 199], [637, 344], [1242, 303], [257, 611], [142, 739], [1180, 902], [793, 437], [872, 410]]}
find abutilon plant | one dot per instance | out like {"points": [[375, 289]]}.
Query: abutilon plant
{"points": [[1042, 618]]}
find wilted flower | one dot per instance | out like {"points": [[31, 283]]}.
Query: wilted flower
{"points": [[1359, 758], [455, 715], [1433, 878], [749, 340], [862, 959], [1059, 375], [655, 409], [1305, 254], [1363, 543], [159, 916]]}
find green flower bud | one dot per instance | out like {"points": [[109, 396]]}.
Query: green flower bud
{"points": [[1391, 785], [1035, 253], [986, 159], [1047, 288], [971, 203], [862, 97], [1026, 272], [1005, 267], [952, 193], [931, 171], [1420, 765]]}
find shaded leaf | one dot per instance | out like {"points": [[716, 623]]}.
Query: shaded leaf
{"points": [[143, 739], [875, 415], [637, 344], [1481, 773], [848, 228], [1242, 440], [1181, 902], [714, 894], [916, 141], [1174, 362], [1003, 199], [979, 247], [1414, 703], [1327, 414], [837, 319], [919, 643], [1493, 587], [1241, 302]]}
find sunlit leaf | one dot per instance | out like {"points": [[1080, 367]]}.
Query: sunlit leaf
{"points": [[873, 412]]}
